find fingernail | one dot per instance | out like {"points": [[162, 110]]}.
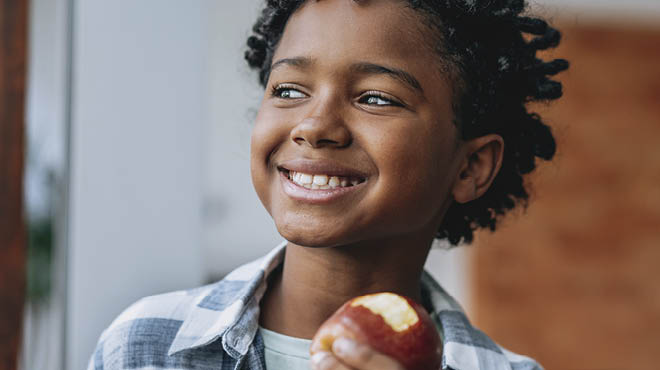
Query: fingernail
{"points": [[318, 357], [343, 345]]}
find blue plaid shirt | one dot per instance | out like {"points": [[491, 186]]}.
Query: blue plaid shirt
{"points": [[215, 327]]}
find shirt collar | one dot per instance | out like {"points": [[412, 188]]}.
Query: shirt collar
{"points": [[229, 310]]}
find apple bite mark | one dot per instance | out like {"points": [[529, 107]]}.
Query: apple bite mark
{"points": [[394, 309]]}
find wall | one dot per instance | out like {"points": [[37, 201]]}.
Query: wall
{"points": [[574, 282], [13, 63], [139, 105], [236, 226]]}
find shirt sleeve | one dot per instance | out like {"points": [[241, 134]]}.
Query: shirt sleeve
{"points": [[96, 361]]}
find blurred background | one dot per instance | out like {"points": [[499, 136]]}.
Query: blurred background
{"points": [[136, 124]]}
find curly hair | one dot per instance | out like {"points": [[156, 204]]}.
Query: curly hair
{"points": [[490, 49]]}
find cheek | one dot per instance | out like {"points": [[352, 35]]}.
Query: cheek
{"points": [[267, 136], [414, 174]]}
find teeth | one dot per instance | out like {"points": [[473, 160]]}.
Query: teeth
{"points": [[305, 178], [321, 181]]}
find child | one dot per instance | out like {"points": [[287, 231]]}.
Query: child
{"points": [[384, 124]]}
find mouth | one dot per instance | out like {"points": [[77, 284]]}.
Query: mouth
{"points": [[321, 181]]}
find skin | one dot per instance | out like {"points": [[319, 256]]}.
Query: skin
{"points": [[400, 136]]}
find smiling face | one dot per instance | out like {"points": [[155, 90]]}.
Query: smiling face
{"points": [[356, 98]]}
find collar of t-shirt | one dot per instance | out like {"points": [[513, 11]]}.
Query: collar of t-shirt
{"points": [[283, 352]]}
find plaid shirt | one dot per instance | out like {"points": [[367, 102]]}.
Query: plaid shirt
{"points": [[215, 327]]}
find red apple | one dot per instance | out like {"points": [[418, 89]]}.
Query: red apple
{"points": [[392, 324]]}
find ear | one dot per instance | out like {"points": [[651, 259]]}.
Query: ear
{"points": [[482, 159]]}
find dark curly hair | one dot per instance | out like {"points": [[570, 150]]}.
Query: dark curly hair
{"points": [[488, 48]]}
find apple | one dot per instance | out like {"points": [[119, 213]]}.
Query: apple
{"points": [[392, 324]]}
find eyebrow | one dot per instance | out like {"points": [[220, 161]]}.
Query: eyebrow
{"points": [[399, 74], [362, 67], [297, 62]]}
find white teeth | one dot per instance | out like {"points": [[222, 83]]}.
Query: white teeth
{"points": [[310, 181], [320, 179], [305, 178]]}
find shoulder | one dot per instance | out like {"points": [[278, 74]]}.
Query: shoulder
{"points": [[170, 307], [144, 332], [160, 330], [465, 346]]}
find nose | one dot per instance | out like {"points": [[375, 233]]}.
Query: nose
{"points": [[322, 128]]}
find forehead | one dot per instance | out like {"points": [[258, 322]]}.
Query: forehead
{"points": [[345, 31]]}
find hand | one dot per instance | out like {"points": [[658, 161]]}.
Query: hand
{"points": [[348, 354]]}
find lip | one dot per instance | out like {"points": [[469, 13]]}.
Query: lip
{"points": [[322, 166], [316, 196]]}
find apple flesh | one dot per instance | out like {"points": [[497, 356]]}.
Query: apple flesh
{"points": [[390, 323]]}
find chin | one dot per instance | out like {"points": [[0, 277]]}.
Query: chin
{"points": [[307, 238], [311, 234]]}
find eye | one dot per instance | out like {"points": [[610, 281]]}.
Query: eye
{"points": [[378, 99], [287, 92]]}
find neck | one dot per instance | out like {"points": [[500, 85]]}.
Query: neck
{"points": [[314, 282]]}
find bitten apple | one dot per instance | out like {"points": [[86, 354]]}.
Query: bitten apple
{"points": [[392, 324]]}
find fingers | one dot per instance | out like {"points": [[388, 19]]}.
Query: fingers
{"points": [[349, 354], [326, 361]]}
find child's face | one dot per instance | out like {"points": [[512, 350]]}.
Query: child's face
{"points": [[359, 94]]}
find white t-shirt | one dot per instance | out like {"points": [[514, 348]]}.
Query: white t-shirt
{"points": [[283, 352]]}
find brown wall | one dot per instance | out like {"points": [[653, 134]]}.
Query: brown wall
{"points": [[575, 282], [13, 39]]}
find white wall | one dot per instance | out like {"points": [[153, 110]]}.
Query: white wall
{"points": [[139, 109], [614, 12], [237, 228], [601, 6]]}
